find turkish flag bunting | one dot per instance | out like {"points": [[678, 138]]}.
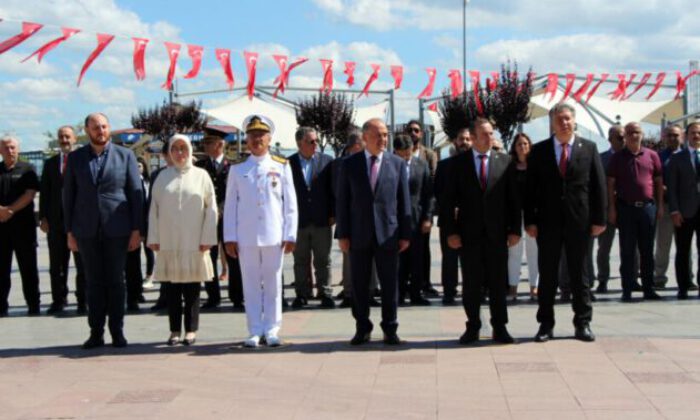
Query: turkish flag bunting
{"points": [[28, 29], [173, 52], [570, 79], [622, 85], [140, 57], [350, 72], [251, 64], [640, 85], [374, 76], [476, 90], [682, 81], [603, 78], [492, 83], [659, 80], [195, 52], [397, 74], [44, 49], [102, 41], [578, 95], [327, 76], [283, 79], [456, 83], [223, 55], [428, 90], [552, 85], [433, 107]]}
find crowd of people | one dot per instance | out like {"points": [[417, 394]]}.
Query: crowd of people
{"points": [[551, 201]]}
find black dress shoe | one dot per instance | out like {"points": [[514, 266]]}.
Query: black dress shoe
{"points": [[651, 295], [593, 298], [431, 292], [299, 302], [327, 303], [132, 307], [402, 302], [340, 295], [33, 310], [81, 309], [55, 308], [584, 333], [141, 299], [636, 287], [119, 341], [420, 301], [239, 307], [210, 305], [602, 287], [544, 334], [626, 297], [93, 342], [360, 338], [159, 306], [448, 300], [682, 294], [692, 286], [285, 304], [346, 303], [392, 339], [374, 303], [471, 335], [4, 313], [501, 335]]}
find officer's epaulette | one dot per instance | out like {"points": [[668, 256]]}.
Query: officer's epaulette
{"points": [[279, 159]]}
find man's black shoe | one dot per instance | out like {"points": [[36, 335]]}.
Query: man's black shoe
{"points": [[593, 298], [584, 333], [501, 335], [299, 302], [55, 308], [81, 309], [33, 310], [93, 342], [4, 313], [448, 300], [118, 340], [626, 297], [340, 295], [471, 335], [240, 307], [374, 303], [141, 299], [420, 301], [431, 292], [132, 307], [360, 338], [602, 287], [346, 303], [159, 306], [210, 305], [392, 339], [544, 334], [327, 303], [682, 294], [651, 295], [692, 286], [636, 287]]}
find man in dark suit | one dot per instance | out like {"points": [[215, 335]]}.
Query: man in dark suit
{"points": [[565, 205], [218, 166], [488, 222], [51, 216], [684, 203], [313, 183], [103, 217], [450, 257], [374, 223], [411, 270]]}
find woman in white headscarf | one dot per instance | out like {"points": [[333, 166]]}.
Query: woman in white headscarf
{"points": [[182, 228]]}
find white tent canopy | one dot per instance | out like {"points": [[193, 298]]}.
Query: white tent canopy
{"points": [[363, 114]]}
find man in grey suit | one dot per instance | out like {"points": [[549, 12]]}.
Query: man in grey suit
{"points": [[103, 216], [684, 202], [374, 224]]}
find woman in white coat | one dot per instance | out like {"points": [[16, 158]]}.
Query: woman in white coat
{"points": [[182, 228]]}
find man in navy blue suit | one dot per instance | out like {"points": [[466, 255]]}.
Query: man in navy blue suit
{"points": [[103, 216], [373, 212]]}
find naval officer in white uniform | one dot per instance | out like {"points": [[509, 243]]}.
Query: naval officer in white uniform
{"points": [[260, 225]]}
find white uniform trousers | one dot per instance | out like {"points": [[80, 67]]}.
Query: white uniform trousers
{"points": [[261, 268], [515, 258]]}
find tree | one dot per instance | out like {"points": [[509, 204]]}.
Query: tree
{"points": [[510, 106], [163, 121], [330, 115]]}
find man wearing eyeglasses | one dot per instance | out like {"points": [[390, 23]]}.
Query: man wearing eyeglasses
{"points": [[313, 183]]}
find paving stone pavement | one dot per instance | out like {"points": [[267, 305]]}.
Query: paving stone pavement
{"points": [[644, 365]]}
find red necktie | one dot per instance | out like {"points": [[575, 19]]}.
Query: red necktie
{"points": [[563, 159], [63, 165], [373, 171], [482, 172]]}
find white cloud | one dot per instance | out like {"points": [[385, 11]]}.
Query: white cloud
{"points": [[38, 89], [10, 63]]}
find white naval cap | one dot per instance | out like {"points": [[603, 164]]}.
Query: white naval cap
{"points": [[258, 122]]}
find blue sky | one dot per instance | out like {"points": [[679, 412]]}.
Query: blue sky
{"points": [[572, 36]]}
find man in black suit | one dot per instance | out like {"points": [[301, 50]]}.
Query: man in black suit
{"points": [[565, 205], [411, 262], [218, 166], [374, 223], [684, 203], [450, 257], [488, 222], [51, 216], [313, 183]]}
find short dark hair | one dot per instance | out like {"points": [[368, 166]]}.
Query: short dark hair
{"points": [[92, 115], [402, 142], [477, 122], [687, 129], [413, 122], [302, 132]]}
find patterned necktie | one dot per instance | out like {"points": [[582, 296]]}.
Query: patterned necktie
{"points": [[563, 160], [373, 171], [482, 172]]}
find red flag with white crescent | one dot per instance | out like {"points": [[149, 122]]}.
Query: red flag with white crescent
{"points": [[659, 80], [283, 79], [195, 52], [173, 50], [640, 85], [350, 72], [428, 90], [433, 107], [327, 75], [476, 90], [492, 83], [251, 65], [140, 57], [44, 49], [552, 85], [583, 88], [397, 74], [102, 41], [223, 56], [28, 29], [603, 78], [682, 81], [374, 76], [456, 83], [570, 79], [623, 83]]}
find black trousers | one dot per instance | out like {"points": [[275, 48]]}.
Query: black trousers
{"points": [[235, 278], [150, 260], [450, 264], [411, 270], [426, 264], [684, 241], [487, 265], [386, 261], [189, 293], [104, 260], [59, 257], [551, 242], [22, 242], [134, 276]]}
